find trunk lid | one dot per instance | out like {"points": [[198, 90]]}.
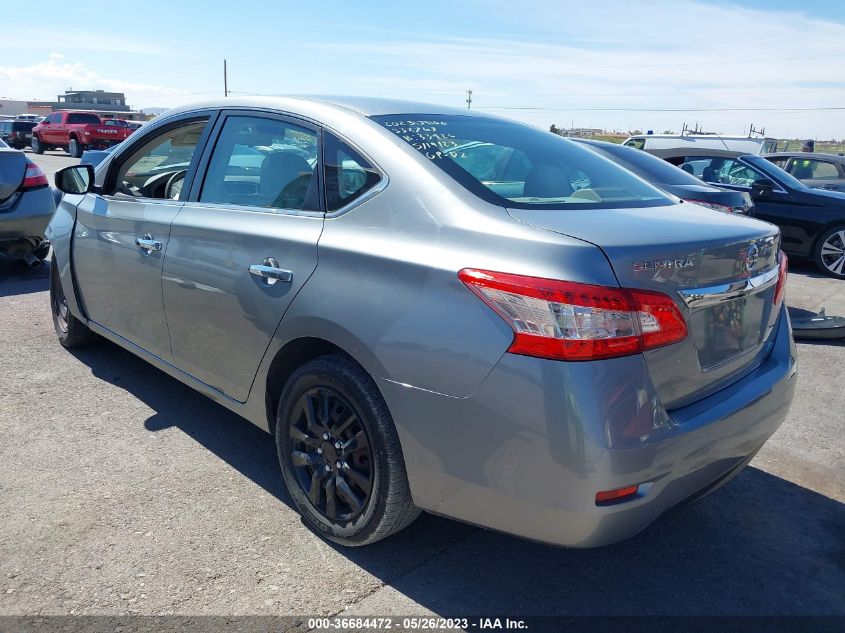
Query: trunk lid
{"points": [[720, 269], [12, 172]]}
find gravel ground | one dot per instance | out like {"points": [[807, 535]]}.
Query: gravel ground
{"points": [[124, 492]]}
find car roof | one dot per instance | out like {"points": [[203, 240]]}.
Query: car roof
{"points": [[306, 104], [696, 151], [839, 158]]}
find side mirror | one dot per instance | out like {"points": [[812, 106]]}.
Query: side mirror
{"points": [[77, 179], [762, 188]]}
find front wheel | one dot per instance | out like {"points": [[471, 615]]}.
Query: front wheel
{"points": [[340, 453], [37, 147], [830, 252], [71, 331]]}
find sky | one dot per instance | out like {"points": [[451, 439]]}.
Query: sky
{"points": [[613, 64]]}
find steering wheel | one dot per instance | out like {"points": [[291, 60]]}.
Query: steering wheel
{"points": [[173, 188]]}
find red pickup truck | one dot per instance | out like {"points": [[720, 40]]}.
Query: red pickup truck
{"points": [[75, 132]]}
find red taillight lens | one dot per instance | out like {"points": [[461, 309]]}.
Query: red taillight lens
{"points": [[613, 496], [783, 271], [33, 177], [572, 321]]}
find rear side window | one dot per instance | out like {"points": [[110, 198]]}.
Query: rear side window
{"points": [[514, 165], [83, 118], [348, 175]]}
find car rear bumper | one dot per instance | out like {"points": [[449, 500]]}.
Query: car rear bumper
{"points": [[527, 453], [25, 218]]}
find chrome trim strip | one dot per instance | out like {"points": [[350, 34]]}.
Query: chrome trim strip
{"points": [[714, 295]]}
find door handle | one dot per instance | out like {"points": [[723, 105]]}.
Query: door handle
{"points": [[269, 270], [147, 243]]}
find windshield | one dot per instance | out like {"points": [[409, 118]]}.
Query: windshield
{"points": [[644, 164], [518, 166], [773, 171]]}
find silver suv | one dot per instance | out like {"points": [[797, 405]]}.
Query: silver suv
{"points": [[431, 309]]}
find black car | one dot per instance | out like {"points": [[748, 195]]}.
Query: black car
{"points": [[812, 221], [678, 182], [816, 169], [17, 134]]}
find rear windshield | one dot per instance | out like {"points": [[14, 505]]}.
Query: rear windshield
{"points": [[81, 117], [22, 126], [646, 165], [518, 166]]}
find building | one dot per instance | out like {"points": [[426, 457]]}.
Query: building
{"points": [[106, 104], [580, 132], [92, 100]]}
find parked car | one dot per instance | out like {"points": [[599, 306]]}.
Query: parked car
{"points": [[816, 169], [34, 118], [671, 179], [75, 132], [730, 142], [812, 220], [94, 157], [561, 364], [134, 125], [16, 134], [26, 206]]}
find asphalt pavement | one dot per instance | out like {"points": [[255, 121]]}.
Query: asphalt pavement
{"points": [[125, 492]]}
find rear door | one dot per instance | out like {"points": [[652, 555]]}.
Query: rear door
{"points": [[242, 246], [121, 235]]}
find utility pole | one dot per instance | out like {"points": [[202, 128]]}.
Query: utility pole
{"points": [[225, 81], [469, 99]]}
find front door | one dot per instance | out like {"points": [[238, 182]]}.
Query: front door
{"points": [[121, 235], [242, 246]]}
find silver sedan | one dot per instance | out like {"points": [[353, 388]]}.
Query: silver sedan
{"points": [[435, 310]]}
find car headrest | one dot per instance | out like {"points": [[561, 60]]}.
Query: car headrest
{"points": [[546, 181]]}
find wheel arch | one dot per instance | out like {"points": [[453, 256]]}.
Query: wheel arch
{"points": [[288, 359]]}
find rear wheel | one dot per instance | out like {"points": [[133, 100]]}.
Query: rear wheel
{"points": [[71, 331], [37, 147], [340, 454], [830, 252], [75, 148]]}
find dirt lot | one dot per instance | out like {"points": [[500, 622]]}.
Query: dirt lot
{"points": [[123, 491]]}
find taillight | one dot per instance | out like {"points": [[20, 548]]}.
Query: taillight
{"points": [[572, 321], [783, 270], [712, 205], [33, 177]]}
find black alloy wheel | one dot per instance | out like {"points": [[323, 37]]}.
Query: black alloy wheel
{"points": [[331, 454]]}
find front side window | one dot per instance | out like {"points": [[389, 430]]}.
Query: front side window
{"points": [[721, 171], [348, 175], [262, 162], [157, 169], [518, 166], [808, 168]]}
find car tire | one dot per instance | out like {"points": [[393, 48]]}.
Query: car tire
{"points": [[75, 148], [37, 147], [340, 454], [829, 252], [71, 331]]}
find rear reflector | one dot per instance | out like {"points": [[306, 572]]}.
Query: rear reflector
{"points": [[564, 320], [33, 177], [613, 496], [783, 270]]}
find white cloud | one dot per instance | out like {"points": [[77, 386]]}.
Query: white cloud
{"points": [[54, 76]]}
